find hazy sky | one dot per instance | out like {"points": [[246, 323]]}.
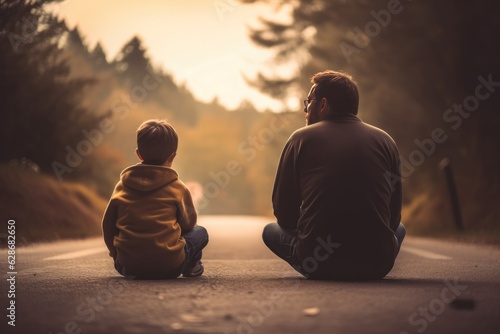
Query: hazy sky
{"points": [[203, 43]]}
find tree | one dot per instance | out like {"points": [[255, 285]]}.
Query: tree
{"points": [[75, 40], [41, 110], [98, 57], [132, 61]]}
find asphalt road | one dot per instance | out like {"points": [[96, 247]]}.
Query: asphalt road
{"points": [[71, 287]]}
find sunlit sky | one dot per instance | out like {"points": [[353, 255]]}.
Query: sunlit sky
{"points": [[202, 43]]}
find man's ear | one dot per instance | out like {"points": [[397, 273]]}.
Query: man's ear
{"points": [[171, 157], [324, 109], [138, 154]]}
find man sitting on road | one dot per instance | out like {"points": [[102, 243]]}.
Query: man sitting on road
{"points": [[337, 194]]}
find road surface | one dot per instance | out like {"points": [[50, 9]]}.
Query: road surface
{"points": [[71, 287]]}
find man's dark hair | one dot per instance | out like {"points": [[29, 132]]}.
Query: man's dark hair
{"points": [[339, 89], [156, 141]]}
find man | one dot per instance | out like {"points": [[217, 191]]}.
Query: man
{"points": [[337, 194]]}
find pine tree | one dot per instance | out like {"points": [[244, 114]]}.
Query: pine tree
{"points": [[41, 110], [98, 57], [132, 61], [75, 40]]}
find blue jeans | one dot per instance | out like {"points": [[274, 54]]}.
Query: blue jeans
{"points": [[400, 236], [196, 240], [282, 243]]}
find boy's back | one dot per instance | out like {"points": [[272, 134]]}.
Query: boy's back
{"points": [[151, 206], [149, 225]]}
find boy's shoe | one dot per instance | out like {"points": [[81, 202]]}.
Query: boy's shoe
{"points": [[194, 271]]}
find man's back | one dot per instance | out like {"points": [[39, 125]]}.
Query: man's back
{"points": [[332, 182]]}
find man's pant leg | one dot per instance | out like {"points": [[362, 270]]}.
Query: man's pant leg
{"points": [[400, 234], [282, 243]]}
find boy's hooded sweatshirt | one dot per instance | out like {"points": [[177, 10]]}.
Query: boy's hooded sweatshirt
{"points": [[142, 224]]}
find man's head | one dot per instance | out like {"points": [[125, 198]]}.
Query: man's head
{"points": [[156, 142], [332, 92]]}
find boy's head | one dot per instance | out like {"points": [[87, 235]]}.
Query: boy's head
{"points": [[156, 142]]}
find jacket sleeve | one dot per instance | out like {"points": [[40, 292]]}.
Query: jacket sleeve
{"points": [[109, 229], [286, 192], [186, 212]]}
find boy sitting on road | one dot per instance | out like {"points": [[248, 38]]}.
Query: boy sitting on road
{"points": [[149, 225]]}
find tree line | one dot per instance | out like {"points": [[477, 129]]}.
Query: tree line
{"points": [[426, 69], [72, 110]]}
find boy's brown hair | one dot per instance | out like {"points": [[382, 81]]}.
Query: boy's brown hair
{"points": [[156, 141]]}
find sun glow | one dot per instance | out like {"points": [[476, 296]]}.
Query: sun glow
{"points": [[203, 44]]}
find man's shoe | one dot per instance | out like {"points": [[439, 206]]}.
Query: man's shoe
{"points": [[194, 271]]}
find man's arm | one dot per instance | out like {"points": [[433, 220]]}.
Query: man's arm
{"points": [[109, 229], [397, 194], [186, 212], [286, 192]]}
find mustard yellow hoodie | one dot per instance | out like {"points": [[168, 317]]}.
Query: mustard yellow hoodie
{"points": [[142, 224]]}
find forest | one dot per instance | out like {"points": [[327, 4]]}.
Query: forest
{"points": [[428, 74]]}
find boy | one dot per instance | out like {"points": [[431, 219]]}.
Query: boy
{"points": [[149, 225]]}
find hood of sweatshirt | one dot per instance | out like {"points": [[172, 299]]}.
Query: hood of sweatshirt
{"points": [[147, 177]]}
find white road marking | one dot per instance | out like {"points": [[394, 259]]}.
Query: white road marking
{"points": [[424, 253], [91, 251], [77, 254]]}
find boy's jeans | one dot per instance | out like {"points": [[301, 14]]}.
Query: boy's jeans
{"points": [[282, 242], [196, 240]]}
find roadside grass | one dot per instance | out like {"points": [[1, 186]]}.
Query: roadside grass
{"points": [[45, 209], [431, 216], [480, 237]]}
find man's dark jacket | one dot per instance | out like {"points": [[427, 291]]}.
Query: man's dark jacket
{"points": [[338, 182]]}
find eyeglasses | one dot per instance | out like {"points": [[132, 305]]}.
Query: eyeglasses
{"points": [[306, 103]]}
